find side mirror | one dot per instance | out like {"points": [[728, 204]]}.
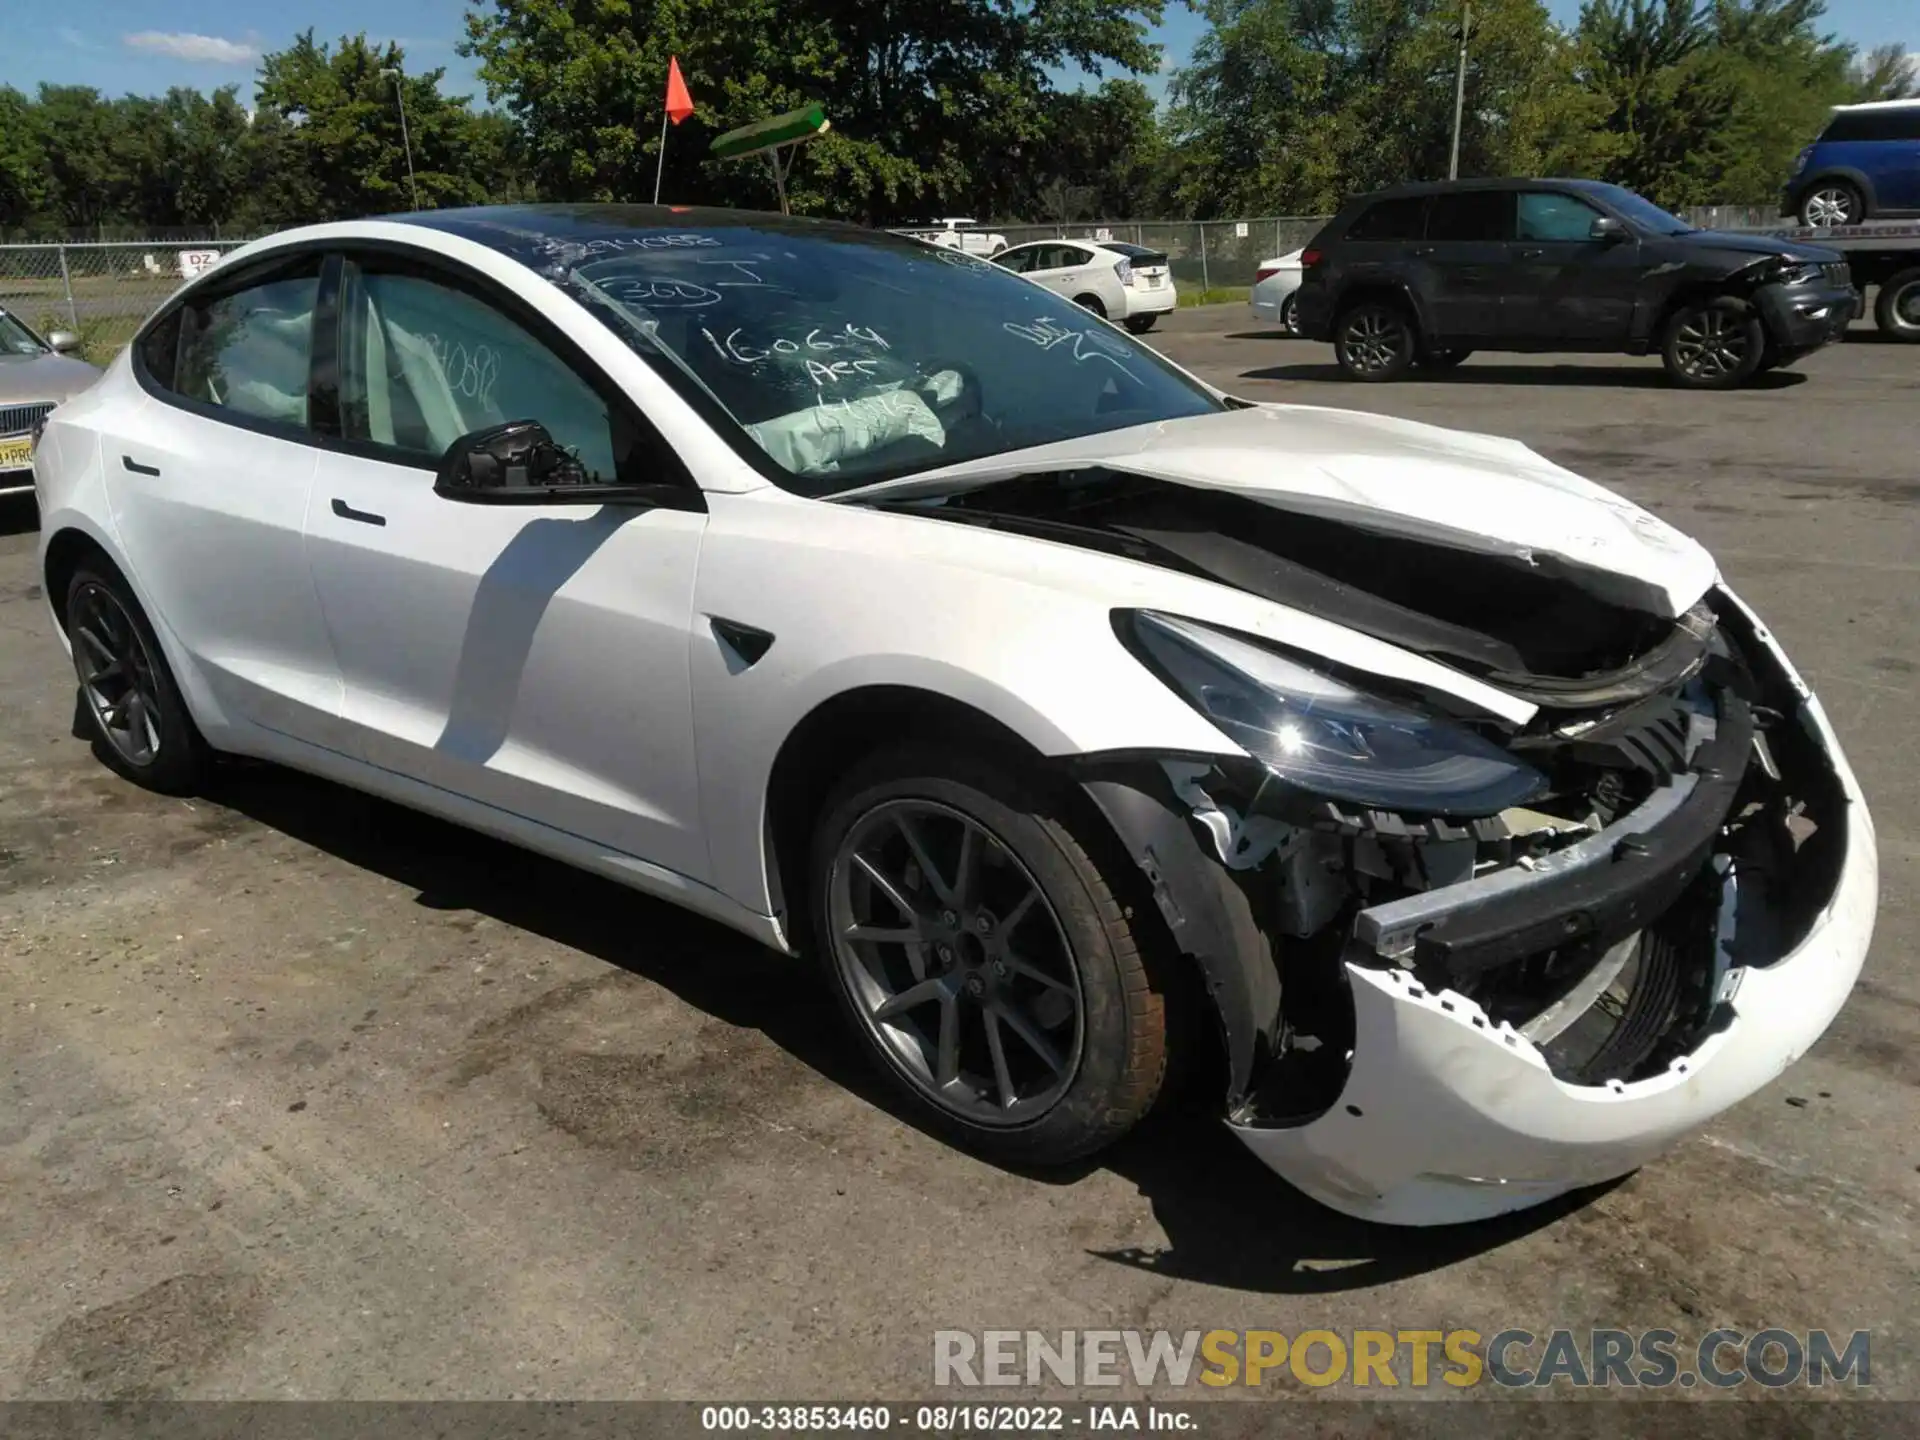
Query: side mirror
{"points": [[61, 341], [515, 462], [519, 463], [1607, 229]]}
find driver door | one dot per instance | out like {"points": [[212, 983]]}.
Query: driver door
{"points": [[533, 658]]}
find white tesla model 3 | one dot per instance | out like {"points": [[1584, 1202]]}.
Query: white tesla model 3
{"points": [[865, 598]]}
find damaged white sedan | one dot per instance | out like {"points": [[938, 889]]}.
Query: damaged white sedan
{"points": [[874, 602]]}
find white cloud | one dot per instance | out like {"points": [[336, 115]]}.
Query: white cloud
{"points": [[181, 46]]}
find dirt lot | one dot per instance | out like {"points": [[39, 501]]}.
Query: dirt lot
{"points": [[307, 1096]]}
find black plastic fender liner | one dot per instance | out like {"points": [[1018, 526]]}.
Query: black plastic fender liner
{"points": [[1209, 916]]}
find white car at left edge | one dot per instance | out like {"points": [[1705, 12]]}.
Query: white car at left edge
{"points": [[879, 604]]}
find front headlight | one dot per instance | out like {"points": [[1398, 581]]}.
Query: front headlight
{"points": [[1328, 738]]}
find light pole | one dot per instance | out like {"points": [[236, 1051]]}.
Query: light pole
{"points": [[1459, 89], [400, 94]]}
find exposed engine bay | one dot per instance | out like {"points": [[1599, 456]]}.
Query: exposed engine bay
{"points": [[1684, 824]]}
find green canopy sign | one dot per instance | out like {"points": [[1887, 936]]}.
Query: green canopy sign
{"points": [[777, 139]]}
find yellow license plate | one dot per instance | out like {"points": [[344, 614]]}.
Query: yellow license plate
{"points": [[16, 454]]}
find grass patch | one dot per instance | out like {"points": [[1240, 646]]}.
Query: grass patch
{"points": [[1218, 295]]}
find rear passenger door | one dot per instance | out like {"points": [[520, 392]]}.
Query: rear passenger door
{"points": [[1468, 256], [1566, 288], [208, 482]]}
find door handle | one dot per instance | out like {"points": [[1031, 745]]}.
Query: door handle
{"points": [[365, 517], [1423, 249], [137, 468], [1531, 254]]}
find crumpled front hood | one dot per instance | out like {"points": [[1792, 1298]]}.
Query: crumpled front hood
{"points": [[1398, 477]]}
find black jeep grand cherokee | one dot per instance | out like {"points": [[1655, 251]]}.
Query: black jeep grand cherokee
{"points": [[1426, 274]]}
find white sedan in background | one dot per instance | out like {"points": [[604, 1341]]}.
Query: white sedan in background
{"points": [[868, 600], [1274, 285], [1128, 284]]}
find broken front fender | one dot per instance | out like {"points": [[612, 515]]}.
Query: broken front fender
{"points": [[1208, 914]]}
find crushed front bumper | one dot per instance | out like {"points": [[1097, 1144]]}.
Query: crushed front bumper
{"points": [[1803, 318], [1447, 1116]]}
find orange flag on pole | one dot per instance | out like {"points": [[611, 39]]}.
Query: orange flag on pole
{"points": [[679, 102]]}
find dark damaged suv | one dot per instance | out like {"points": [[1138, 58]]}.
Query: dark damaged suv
{"points": [[1423, 275]]}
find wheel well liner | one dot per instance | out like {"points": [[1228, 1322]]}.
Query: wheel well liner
{"points": [[65, 553], [835, 735]]}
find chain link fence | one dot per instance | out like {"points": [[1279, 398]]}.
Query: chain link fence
{"points": [[99, 292], [1203, 254], [102, 291]]}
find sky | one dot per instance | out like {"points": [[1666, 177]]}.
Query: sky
{"points": [[146, 46]]}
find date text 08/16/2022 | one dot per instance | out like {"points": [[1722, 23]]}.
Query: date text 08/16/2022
{"points": [[946, 1419]]}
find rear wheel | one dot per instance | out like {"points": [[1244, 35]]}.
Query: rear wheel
{"points": [[1375, 340], [1832, 202], [1713, 344], [1140, 324], [1091, 302], [981, 955], [1897, 309], [139, 722], [1290, 314]]}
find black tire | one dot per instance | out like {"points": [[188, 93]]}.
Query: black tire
{"points": [[1290, 314], [158, 746], [1713, 344], [1443, 359], [1091, 302], [1120, 1024], [1832, 202], [1140, 324], [1896, 310], [1375, 340]]}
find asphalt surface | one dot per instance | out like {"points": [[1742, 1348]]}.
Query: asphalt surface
{"points": [[303, 1095]]}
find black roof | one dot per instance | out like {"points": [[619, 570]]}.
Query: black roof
{"points": [[1501, 182]]}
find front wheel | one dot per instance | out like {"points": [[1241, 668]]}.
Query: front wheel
{"points": [[1091, 302], [980, 953], [1375, 340], [1897, 308], [1140, 324], [1714, 344], [140, 726]]}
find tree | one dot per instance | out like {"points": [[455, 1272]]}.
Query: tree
{"points": [[22, 161], [343, 128], [943, 104], [1290, 106], [1886, 72]]}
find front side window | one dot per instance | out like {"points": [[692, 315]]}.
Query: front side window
{"points": [[1019, 261], [1549, 215], [248, 350], [835, 357], [423, 363]]}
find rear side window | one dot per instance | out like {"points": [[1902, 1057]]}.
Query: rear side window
{"points": [[159, 346], [1550, 215], [1472, 215], [249, 350], [1402, 219], [1897, 123]]}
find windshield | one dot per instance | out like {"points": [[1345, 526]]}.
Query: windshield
{"points": [[17, 339], [845, 357], [1640, 211]]}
